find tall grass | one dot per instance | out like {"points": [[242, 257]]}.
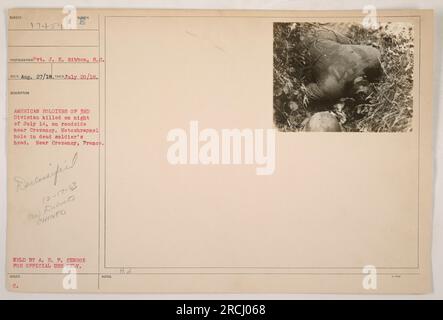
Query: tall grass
{"points": [[388, 108]]}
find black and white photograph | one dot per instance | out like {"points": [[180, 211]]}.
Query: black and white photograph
{"points": [[343, 77], [222, 156]]}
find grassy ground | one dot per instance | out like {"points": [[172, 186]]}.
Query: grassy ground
{"points": [[388, 108]]}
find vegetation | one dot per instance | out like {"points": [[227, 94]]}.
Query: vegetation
{"points": [[388, 106]]}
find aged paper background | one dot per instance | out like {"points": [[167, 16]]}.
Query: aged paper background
{"points": [[144, 225]]}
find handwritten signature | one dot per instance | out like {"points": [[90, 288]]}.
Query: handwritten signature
{"points": [[23, 184], [53, 204]]}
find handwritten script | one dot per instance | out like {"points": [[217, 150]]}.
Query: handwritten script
{"points": [[23, 184]]}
